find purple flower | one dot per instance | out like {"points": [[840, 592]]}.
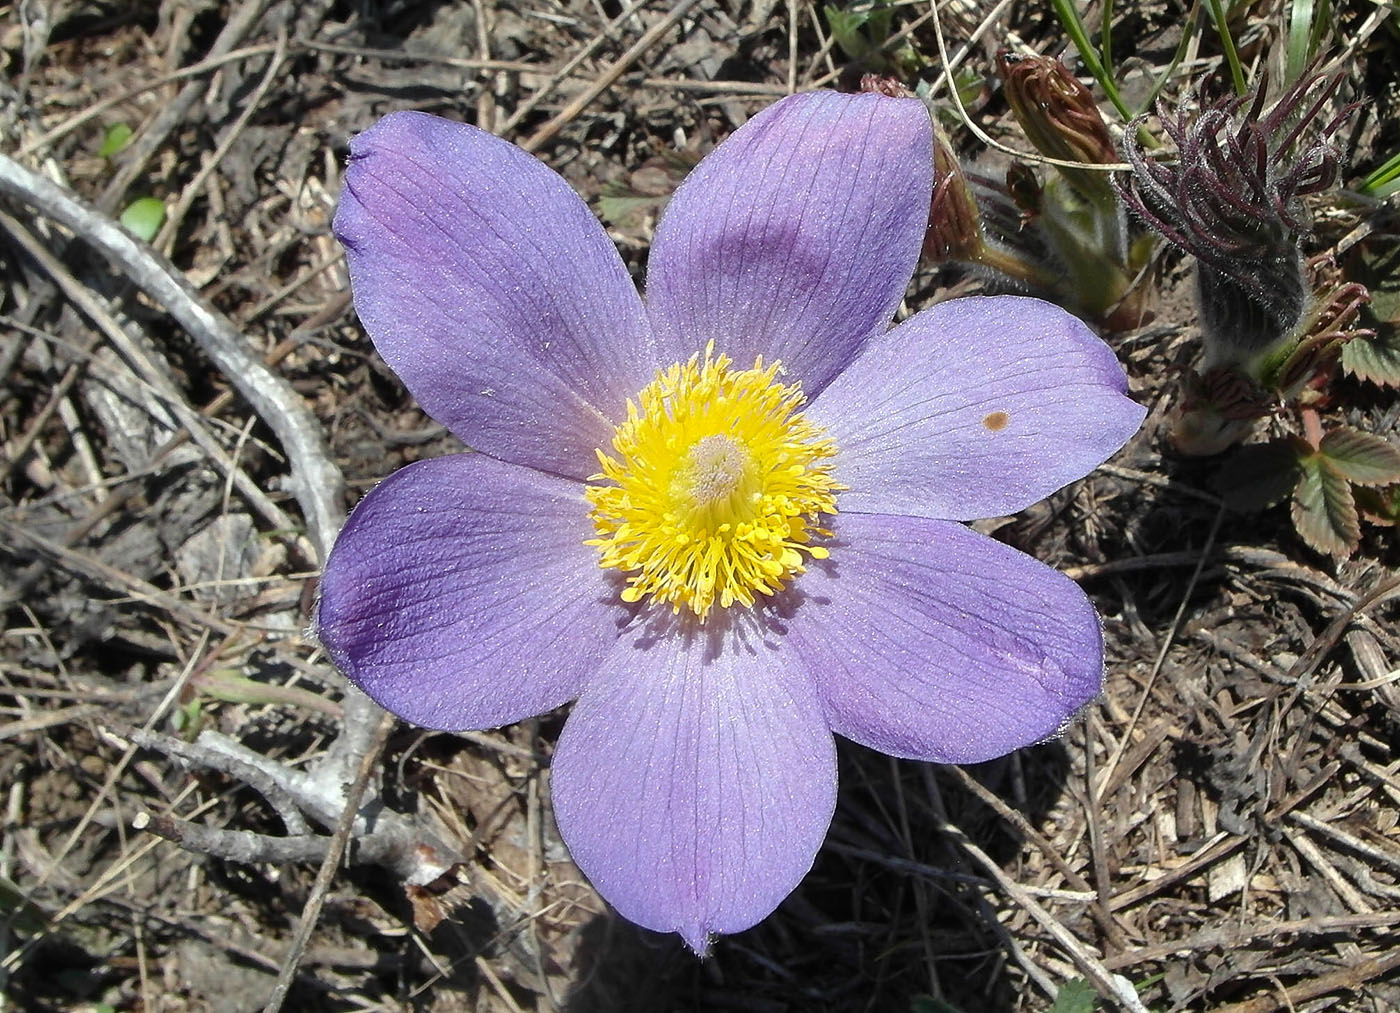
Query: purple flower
{"points": [[650, 523]]}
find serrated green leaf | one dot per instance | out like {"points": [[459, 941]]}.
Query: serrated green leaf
{"points": [[1376, 264], [1324, 509], [144, 217], [1362, 458], [1257, 476], [1076, 996], [1376, 359], [118, 136]]}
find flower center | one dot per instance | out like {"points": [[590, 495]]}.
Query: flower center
{"points": [[715, 489]]}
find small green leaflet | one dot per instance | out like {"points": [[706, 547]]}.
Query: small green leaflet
{"points": [[144, 217], [1377, 359], [1324, 508], [1076, 996], [1361, 458], [859, 31], [118, 136]]}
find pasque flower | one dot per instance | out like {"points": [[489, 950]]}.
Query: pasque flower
{"points": [[724, 519]]}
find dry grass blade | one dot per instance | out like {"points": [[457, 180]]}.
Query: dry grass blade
{"points": [[608, 77], [1088, 964]]}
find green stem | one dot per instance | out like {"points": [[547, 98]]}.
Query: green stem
{"points": [[999, 259]]}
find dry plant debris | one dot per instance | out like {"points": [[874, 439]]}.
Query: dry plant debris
{"points": [[1222, 831]]}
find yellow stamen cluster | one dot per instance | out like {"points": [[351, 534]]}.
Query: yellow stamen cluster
{"points": [[715, 487]]}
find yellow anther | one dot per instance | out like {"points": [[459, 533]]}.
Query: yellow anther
{"points": [[714, 488]]}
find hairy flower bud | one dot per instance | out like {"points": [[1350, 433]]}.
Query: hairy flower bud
{"points": [[1233, 201], [954, 224], [1060, 118]]}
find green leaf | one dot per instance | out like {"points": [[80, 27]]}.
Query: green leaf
{"points": [[624, 203], [1376, 359], [1258, 475], [846, 25], [1363, 458], [1324, 509], [118, 136], [1300, 16], [1076, 996], [969, 84], [144, 217], [626, 210], [1376, 264]]}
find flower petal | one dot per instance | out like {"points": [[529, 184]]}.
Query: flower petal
{"points": [[796, 238], [975, 407], [460, 594], [695, 780], [928, 640], [491, 290]]}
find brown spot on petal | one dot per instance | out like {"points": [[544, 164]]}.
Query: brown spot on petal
{"points": [[997, 421]]}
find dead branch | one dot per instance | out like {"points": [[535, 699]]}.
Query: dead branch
{"points": [[316, 481], [249, 774]]}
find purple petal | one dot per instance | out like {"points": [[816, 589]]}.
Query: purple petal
{"points": [[695, 780], [796, 238], [928, 640], [975, 407], [460, 594], [491, 290]]}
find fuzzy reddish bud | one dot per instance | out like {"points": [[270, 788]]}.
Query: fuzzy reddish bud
{"points": [[1060, 118]]}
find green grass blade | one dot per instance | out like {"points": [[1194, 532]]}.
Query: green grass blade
{"points": [[1106, 39], [1217, 14], [1383, 181], [1188, 32], [1074, 28], [1322, 22], [1300, 23]]}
